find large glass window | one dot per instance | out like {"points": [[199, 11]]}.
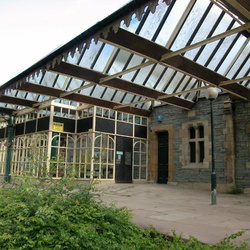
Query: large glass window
{"points": [[103, 156], [140, 160], [84, 156], [62, 154], [29, 154]]}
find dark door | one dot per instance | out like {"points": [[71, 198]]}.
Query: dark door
{"points": [[163, 157], [123, 168]]}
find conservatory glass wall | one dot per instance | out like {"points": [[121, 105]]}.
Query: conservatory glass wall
{"points": [[85, 142]]}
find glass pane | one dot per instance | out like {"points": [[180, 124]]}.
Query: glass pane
{"points": [[96, 171], [125, 117], [131, 118], [111, 156], [192, 151], [104, 171], [192, 133], [143, 159], [137, 146], [97, 155], [137, 119], [144, 121], [98, 141], [104, 155], [81, 171], [202, 153], [70, 155], [143, 172], [201, 132], [88, 172], [136, 172], [111, 143], [143, 147], [110, 171], [137, 158]]}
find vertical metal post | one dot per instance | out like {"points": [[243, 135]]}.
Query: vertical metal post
{"points": [[10, 130], [213, 175]]}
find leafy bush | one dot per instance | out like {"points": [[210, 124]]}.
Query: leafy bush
{"points": [[64, 214]]}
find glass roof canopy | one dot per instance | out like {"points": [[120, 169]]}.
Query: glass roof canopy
{"points": [[145, 54]]}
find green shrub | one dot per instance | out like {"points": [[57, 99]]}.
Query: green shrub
{"points": [[64, 214]]}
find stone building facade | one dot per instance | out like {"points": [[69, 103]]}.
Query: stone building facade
{"points": [[231, 144]]}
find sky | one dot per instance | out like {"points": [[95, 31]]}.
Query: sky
{"points": [[31, 29]]}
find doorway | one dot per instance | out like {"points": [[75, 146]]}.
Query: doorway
{"points": [[163, 157], [123, 166]]}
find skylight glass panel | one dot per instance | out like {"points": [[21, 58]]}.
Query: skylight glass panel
{"points": [[104, 57], [88, 90], [142, 77], [61, 82], [172, 21], [74, 84], [241, 65], [90, 56], [120, 61], [75, 58], [190, 25], [108, 94], [152, 22], [132, 26], [49, 79], [231, 57]]}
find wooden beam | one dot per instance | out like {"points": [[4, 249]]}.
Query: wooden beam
{"points": [[90, 75], [6, 110], [240, 8], [53, 92], [152, 51], [16, 101]]}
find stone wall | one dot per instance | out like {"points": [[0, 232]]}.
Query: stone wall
{"points": [[242, 134], [232, 161]]}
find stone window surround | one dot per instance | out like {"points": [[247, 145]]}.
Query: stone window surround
{"points": [[185, 135]]}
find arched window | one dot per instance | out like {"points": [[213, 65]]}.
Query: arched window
{"points": [[140, 160], [62, 154], [104, 156], [83, 156]]}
